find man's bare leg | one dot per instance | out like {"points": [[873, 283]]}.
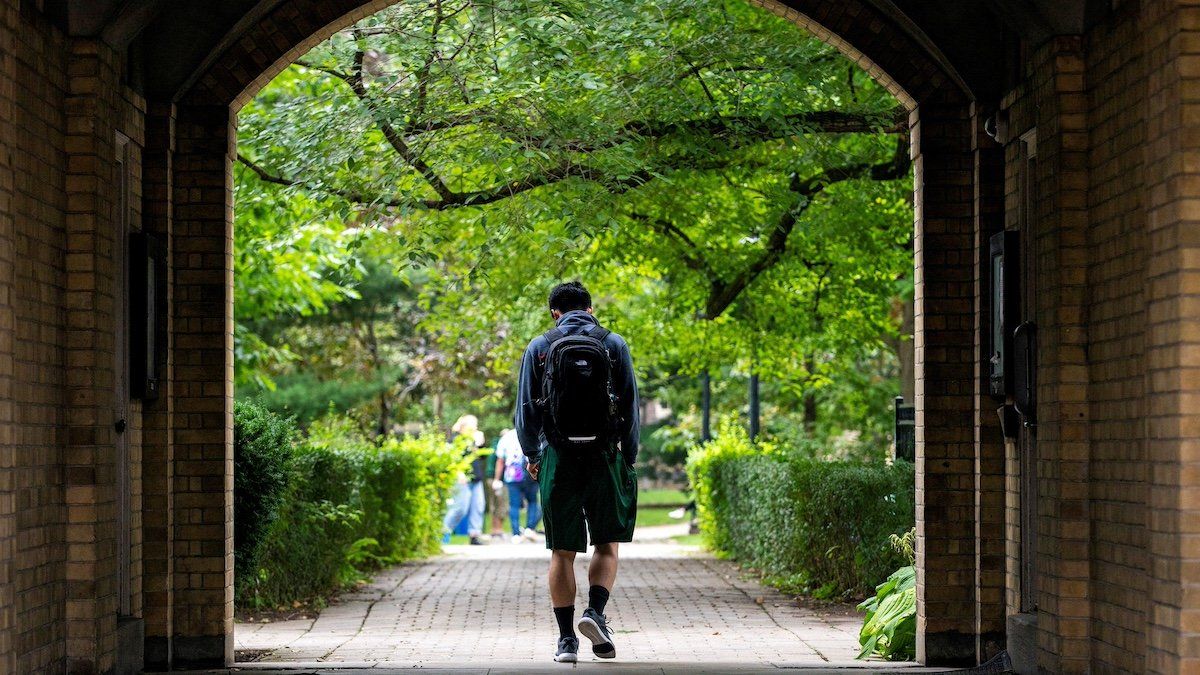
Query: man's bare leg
{"points": [[562, 578], [602, 573], [603, 569]]}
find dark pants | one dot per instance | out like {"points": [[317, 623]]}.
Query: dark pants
{"points": [[587, 494], [523, 492]]}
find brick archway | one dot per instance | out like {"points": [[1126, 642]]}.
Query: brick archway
{"points": [[196, 624], [116, 117], [910, 68]]}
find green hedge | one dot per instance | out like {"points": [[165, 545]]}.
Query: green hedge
{"points": [[818, 527], [262, 453], [350, 506]]}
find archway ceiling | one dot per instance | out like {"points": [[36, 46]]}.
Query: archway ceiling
{"points": [[176, 38]]}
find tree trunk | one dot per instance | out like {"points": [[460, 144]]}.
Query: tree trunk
{"points": [[810, 413], [385, 415], [705, 407], [381, 426]]}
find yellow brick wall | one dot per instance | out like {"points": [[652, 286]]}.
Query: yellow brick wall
{"points": [[1116, 311], [33, 82], [61, 103]]}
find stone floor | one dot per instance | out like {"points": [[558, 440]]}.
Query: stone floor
{"points": [[484, 609]]}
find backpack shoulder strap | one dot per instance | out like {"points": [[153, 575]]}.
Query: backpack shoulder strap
{"points": [[554, 335], [598, 332]]}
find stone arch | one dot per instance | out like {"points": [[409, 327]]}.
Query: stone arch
{"points": [[948, 154], [893, 52]]}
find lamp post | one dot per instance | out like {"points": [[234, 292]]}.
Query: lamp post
{"points": [[754, 406]]}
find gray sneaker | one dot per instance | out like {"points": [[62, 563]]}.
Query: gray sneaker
{"points": [[568, 650], [594, 627]]}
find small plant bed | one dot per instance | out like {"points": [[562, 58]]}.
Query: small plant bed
{"points": [[250, 655], [276, 615], [297, 609], [827, 608]]}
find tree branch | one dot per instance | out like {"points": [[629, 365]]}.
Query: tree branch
{"points": [[696, 71], [690, 252], [740, 68], [615, 185], [722, 293], [345, 77], [567, 170], [817, 121], [423, 71], [349, 195], [393, 137]]}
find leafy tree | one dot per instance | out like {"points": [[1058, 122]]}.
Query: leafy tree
{"points": [[734, 191]]}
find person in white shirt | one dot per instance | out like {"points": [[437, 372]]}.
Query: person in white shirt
{"points": [[512, 471]]}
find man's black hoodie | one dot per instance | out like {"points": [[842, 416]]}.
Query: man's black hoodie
{"points": [[528, 418]]}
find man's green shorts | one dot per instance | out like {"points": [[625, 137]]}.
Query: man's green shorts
{"points": [[587, 487]]}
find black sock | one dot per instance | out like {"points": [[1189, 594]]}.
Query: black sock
{"points": [[597, 598], [565, 616]]}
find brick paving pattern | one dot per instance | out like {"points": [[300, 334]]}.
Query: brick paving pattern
{"points": [[481, 608]]}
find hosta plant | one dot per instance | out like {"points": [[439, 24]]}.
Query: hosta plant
{"points": [[890, 627]]}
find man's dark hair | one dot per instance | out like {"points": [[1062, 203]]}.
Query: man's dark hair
{"points": [[569, 296]]}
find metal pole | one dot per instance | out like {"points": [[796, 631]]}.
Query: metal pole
{"points": [[705, 407], [753, 406]]}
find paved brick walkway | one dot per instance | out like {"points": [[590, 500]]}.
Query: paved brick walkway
{"points": [[485, 609]]}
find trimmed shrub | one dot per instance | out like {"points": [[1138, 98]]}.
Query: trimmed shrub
{"points": [[262, 452], [818, 527], [352, 507]]}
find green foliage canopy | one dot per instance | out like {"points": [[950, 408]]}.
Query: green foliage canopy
{"points": [[733, 191]]}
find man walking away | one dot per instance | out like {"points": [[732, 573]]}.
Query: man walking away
{"points": [[577, 421], [512, 472]]}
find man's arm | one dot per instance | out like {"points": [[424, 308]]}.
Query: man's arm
{"points": [[528, 418], [627, 393]]}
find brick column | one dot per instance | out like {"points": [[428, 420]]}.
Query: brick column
{"points": [[90, 460], [202, 353], [158, 468], [944, 316], [9, 25], [989, 439], [1059, 268], [1172, 35]]}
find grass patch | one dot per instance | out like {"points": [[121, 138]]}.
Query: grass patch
{"points": [[659, 497], [651, 516]]}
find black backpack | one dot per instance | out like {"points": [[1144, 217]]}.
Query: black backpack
{"points": [[579, 409]]}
